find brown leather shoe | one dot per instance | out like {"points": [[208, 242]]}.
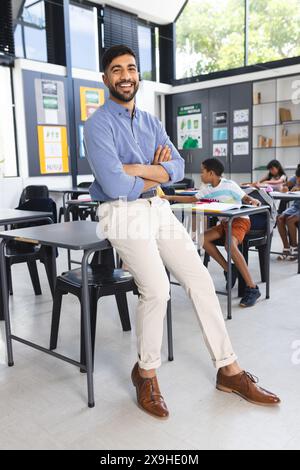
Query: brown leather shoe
{"points": [[245, 385], [148, 395]]}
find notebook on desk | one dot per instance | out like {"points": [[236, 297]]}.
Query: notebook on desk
{"points": [[218, 206]]}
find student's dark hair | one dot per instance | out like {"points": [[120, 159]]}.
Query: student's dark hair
{"points": [[298, 171], [113, 52], [215, 165], [275, 164]]}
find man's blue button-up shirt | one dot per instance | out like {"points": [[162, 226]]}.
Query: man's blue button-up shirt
{"points": [[113, 138]]}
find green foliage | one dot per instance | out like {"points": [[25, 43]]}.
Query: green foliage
{"points": [[213, 31]]}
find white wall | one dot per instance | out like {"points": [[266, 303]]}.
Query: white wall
{"points": [[149, 96]]}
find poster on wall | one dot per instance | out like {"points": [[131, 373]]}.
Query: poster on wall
{"points": [[220, 150], [240, 132], [220, 133], [189, 127], [240, 115], [220, 117], [53, 149], [90, 100], [50, 102], [241, 148]]}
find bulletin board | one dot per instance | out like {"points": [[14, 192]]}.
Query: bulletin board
{"points": [[89, 96], [53, 149], [46, 124]]}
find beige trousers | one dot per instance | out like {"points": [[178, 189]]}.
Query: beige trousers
{"points": [[148, 237]]}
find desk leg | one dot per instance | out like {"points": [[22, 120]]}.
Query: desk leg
{"points": [[268, 256], [64, 206], [169, 325], [87, 329], [67, 219], [229, 273], [5, 297]]}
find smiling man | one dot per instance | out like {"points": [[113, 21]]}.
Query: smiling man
{"points": [[130, 155]]}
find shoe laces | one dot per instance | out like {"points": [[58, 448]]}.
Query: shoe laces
{"points": [[252, 378], [155, 395]]}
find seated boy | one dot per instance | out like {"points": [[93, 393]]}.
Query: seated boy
{"points": [[227, 191]]}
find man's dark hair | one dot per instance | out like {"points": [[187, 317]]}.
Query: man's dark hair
{"points": [[298, 171], [113, 52], [213, 164]]}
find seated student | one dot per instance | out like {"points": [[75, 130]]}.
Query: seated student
{"points": [[223, 190], [275, 178], [287, 221]]}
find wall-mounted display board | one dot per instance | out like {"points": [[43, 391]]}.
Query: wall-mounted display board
{"points": [[89, 95], [240, 128], [230, 111], [53, 149], [46, 124], [188, 126], [226, 114], [219, 112], [90, 100]]}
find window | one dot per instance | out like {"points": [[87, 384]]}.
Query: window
{"points": [[210, 37], [6, 31], [146, 41], [84, 37], [274, 31], [211, 34], [120, 27], [30, 31]]}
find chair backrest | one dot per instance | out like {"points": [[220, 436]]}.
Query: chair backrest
{"points": [[39, 205], [34, 192], [190, 183], [83, 184], [258, 221]]}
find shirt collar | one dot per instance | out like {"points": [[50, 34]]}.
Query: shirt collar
{"points": [[120, 110]]}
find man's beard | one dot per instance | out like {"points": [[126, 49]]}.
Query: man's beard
{"points": [[119, 96]]}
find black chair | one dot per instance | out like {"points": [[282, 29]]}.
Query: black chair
{"points": [[34, 192], [190, 183], [22, 252], [104, 279], [256, 238], [81, 213]]}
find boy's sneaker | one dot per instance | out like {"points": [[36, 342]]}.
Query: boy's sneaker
{"points": [[293, 253], [284, 255], [234, 275], [250, 297]]}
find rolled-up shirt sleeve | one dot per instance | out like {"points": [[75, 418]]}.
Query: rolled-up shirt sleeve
{"points": [[106, 164], [175, 167]]}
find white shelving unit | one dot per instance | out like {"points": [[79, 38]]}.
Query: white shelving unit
{"points": [[268, 144]]}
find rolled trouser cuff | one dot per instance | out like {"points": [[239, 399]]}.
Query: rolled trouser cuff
{"points": [[225, 362]]}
